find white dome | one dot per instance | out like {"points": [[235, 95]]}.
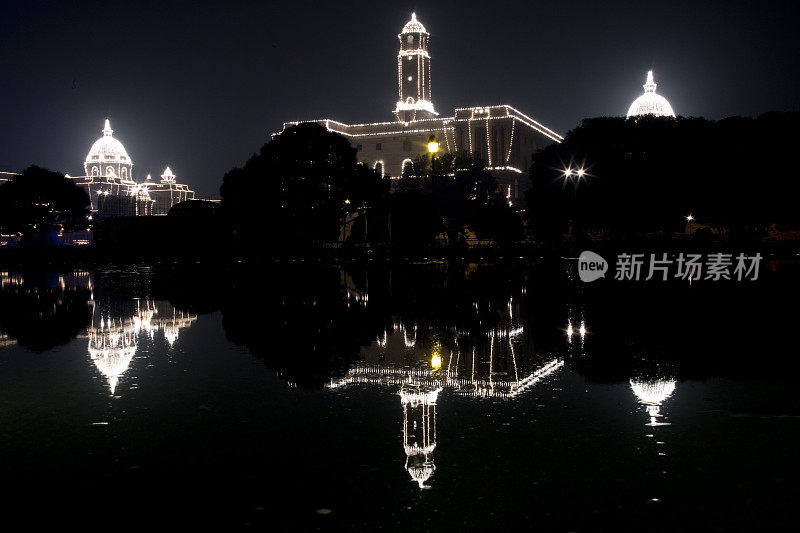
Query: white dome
{"points": [[414, 26], [650, 103], [107, 149]]}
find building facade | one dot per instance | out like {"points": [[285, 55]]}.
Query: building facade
{"points": [[500, 135], [113, 192]]}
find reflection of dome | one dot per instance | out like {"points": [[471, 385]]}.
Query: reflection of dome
{"points": [[107, 148], [414, 26], [421, 472], [650, 103], [652, 394], [112, 350]]}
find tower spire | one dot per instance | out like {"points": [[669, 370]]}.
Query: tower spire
{"points": [[107, 131], [649, 85]]}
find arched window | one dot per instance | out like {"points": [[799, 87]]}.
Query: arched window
{"points": [[124, 172], [409, 100], [408, 167], [379, 167], [95, 171], [110, 171]]}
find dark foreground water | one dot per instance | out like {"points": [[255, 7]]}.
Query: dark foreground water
{"points": [[415, 398]]}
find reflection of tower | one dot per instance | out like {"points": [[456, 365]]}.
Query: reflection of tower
{"points": [[419, 430], [651, 394]]}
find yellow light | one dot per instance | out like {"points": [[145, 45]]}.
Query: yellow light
{"points": [[347, 201], [436, 361], [433, 144]]}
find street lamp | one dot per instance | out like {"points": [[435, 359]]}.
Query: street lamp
{"points": [[433, 145], [689, 219]]}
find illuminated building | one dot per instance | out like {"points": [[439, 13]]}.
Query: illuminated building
{"points": [[113, 192], [650, 103], [500, 135]]}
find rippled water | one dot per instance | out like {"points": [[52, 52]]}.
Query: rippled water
{"points": [[416, 397]]}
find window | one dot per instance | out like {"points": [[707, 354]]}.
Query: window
{"points": [[358, 147], [377, 146], [95, 171]]}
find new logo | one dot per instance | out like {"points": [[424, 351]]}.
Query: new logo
{"points": [[591, 266]]}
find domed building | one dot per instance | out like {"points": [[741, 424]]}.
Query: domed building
{"points": [[113, 192], [108, 157], [650, 103]]}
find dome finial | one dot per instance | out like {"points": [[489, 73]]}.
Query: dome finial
{"points": [[107, 131], [649, 85], [413, 16]]}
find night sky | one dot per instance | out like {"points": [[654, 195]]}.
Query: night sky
{"points": [[200, 86]]}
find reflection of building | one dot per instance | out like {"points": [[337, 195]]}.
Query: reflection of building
{"points": [[118, 328], [651, 394], [112, 190], [650, 103], [501, 368], [500, 135]]}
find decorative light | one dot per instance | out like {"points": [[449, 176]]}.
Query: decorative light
{"points": [[433, 144]]}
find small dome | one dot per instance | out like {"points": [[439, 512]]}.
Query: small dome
{"points": [[167, 176], [107, 149], [650, 103], [414, 26]]}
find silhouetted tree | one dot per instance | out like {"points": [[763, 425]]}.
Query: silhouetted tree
{"points": [[39, 202], [297, 189], [646, 175], [464, 195]]}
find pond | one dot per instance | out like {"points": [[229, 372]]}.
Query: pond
{"points": [[398, 397]]}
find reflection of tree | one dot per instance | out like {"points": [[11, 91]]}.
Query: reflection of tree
{"points": [[44, 310], [299, 321]]}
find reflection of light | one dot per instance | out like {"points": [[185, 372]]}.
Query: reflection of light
{"points": [[652, 394], [571, 332]]}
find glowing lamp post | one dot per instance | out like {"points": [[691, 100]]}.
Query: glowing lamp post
{"points": [[689, 220], [433, 145]]}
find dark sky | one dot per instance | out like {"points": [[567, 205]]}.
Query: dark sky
{"points": [[200, 85]]}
